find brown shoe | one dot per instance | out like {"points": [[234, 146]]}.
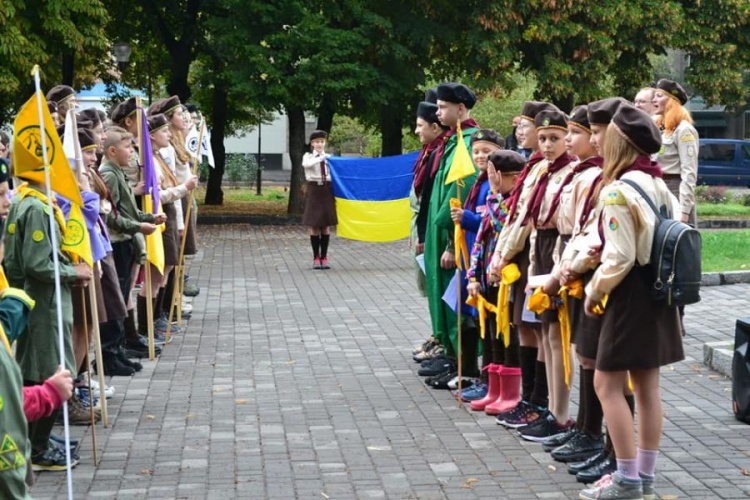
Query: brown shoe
{"points": [[79, 414]]}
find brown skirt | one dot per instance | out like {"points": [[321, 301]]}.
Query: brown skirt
{"points": [[637, 332], [519, 287], [171, 236], [544, 249], [320, 207], [191, 243], [584, 329], [114, 304], [673, 183], [77, 299]]}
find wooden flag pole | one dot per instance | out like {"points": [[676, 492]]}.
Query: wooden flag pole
{"points": [[458, 294], [180, 270], [88, 377], [149, 299]]}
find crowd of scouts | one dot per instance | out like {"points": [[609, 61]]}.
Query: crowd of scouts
{"points": [[560, 243], [34, 385]]}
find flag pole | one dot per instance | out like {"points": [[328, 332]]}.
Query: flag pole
{"points": [[56, 264], [458, 291], [180, 274], [149, 299]]}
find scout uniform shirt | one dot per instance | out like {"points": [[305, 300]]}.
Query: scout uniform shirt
{"points": [[127, 221], [28, 259], [628, 224], [679, 156], [15, 448], [314, 171]]}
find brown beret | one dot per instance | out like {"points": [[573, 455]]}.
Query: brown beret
{"points": [[82, 124], [551, 118], [164, 106], [428, 112], [86, 139], [579, 118], [123, 110], [638, 128], [90, 115], [532, 108], [507, 161], [457, 93], [487, 135], [601, 112], [318, 134], [60, 94], [157, 122], [673, 90], [52, 106]]}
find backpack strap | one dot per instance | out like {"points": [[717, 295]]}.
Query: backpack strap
{"points": [[645, 197]]}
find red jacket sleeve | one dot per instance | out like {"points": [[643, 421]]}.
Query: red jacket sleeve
{"points": [[40, 401]]}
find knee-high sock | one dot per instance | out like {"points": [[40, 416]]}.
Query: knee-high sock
{"points": [[324, 239], [581, 400], [315, 243], [169, 294], [594, 412], [528, 370], [540, 396]]}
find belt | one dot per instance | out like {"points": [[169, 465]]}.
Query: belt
{"points": [[671, 177]]}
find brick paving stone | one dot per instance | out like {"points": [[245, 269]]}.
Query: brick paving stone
{"points": [[294, 383]]}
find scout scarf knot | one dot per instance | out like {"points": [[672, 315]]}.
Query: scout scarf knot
{"points": [[591, 162], [537, 195]]}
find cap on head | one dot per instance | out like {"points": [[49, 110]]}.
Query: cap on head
{"points": [[638, 128], [60, 94], [157, 122], [318, 134], [487, 135], [601, 112], [533, 108], [579, 118], [551, 119], [430, 95], [164, 106], [86, 139], [673, 90], [428, 112], [457, 93], [123, 110], [507, 161]]}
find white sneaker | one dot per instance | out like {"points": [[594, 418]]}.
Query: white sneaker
{"points": [[109, 391], [468, 381], [186, 308]]}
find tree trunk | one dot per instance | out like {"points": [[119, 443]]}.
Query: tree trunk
{"points": [[326, 110], [390, 128], [565, 103], [180, 67], [214, 193], [68, 69], [296, 117]]}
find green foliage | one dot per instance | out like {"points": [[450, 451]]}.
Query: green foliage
{"points": [[241, 168], [711, 194], [733, 210]]}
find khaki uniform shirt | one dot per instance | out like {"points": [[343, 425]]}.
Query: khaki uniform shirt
{"points": [[629, 225], [679, 156]]}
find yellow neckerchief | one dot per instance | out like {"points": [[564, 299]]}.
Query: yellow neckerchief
{"points": [[459, 240], [539, 301], [509, 275], [575, 290], [24, 190], [3, 280], [481, 305], [599, 310]]}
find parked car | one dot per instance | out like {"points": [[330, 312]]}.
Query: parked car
{"points": [[724, 162]]}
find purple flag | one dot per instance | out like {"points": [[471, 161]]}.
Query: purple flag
{"points": [[150, 177]]}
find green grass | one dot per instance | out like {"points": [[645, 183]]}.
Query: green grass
{"points": [[726, 250], [243, 201], [724, 210]]}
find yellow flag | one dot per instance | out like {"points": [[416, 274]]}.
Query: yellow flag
{"points": [[77, 240], [461, 164], [154, 242], [28, 162]]}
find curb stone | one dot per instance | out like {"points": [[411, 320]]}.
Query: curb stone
{"points": [[725, 278], [718, 356]]}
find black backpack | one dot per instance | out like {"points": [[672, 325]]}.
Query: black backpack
{"points": [[675, 257], [741, 371]]}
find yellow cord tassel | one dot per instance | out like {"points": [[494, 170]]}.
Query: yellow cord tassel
{"points": [[574, 290], [459, 240], [509, 275], [482, 305]]}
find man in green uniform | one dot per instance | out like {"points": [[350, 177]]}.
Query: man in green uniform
{"points": [[28, 260], [454, 105]]}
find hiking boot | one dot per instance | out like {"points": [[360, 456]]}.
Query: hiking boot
{"points": [[51, 459], [433, 353], [544, 429], [580, 447], [614, 487], [78, 415], [553, 442]]}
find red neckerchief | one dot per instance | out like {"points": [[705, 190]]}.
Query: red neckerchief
{"points": [[466, 124], [537, 195], [421, 167], [590, 162], [515, 194], [642, 164], [471, 198]]}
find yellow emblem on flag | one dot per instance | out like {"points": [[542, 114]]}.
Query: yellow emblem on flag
{"points": [[28, 161], [461, 164], [77, 241]]}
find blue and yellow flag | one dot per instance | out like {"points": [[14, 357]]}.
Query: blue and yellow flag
{"points": [[372, 196]]}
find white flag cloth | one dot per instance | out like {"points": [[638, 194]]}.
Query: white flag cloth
{"points": [[191, 142], [71, 148]]}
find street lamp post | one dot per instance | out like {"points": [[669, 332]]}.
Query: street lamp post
{"points": [[122, 53]]}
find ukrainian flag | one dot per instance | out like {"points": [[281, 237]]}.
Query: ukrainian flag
{"points": [[372, 196]]}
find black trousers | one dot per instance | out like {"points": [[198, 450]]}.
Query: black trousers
{"points": [[123, 253]]}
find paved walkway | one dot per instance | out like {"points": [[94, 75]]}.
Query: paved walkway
{"points": [[292, 383]]}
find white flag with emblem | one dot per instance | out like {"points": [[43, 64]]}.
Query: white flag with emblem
{"points": [[191, 142]]}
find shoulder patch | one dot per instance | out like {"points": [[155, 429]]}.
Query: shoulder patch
{"points": [[12, 228], [615, 198], [613, 224], [37, 235], [687, 137]]}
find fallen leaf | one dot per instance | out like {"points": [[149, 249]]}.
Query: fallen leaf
{"points": [[190, 415], [150, 417], [147, 472], [467, 484], [552, 468], [744, 472], [291, 362], [696, 368], [241, 401], [323, 494], [217, 390]]}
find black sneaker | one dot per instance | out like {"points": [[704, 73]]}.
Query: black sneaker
{"points": [[607, 465], [445, 365], [441, 382], [135, 365], [580, 447], [139, 349], [544, 429], [59, 443], [114, 368], [550, 444], [522, 415], [576, 467], [52, 459], [434, 361]]}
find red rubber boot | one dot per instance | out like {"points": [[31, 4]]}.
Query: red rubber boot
{"points": [[494, 391]]}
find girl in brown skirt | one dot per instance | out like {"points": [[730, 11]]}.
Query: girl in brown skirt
{"points": [[320, 207], [638, 335], [541, 214]]}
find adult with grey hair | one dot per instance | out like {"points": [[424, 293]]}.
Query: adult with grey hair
{"points": [[644, 100]]}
